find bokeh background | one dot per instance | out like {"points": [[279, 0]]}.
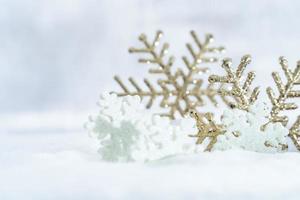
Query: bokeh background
{"points": [[56, 57]]}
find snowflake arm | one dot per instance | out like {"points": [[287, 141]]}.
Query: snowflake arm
{"points": [[294, 133], [239, 91], [279, 104], [179, 90], [207, 128], [286, 91]]}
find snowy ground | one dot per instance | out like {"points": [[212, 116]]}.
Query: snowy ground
{"points": [[63, 164]]}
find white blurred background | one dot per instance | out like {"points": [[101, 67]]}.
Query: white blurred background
{"points": [[57, 56]]}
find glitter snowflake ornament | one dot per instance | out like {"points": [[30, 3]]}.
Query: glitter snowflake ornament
{"points": [[207, 128], [286, 91], [179, 90], [241, 125], [239, 91]]}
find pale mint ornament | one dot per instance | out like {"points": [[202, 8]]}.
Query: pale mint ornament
{"points": [[127, 131], [243, 131]]}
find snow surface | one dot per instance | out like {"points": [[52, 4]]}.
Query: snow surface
{"points": [[64, 164]]}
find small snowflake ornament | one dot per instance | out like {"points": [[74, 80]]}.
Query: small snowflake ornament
{"points": [[243, 131], [129, 132]]}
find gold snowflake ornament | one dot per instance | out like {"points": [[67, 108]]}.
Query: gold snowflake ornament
{"points": [[294, 133], [207, 128], [238, 90], [244, 97], [179, 90], [279, 103]]}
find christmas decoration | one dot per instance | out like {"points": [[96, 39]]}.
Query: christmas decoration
{"points": [[279, 103], [238, 90], [184, 86], [207, 128], [243, 131], [128, 132], [241, 128], [285, 91], [295, 133]]}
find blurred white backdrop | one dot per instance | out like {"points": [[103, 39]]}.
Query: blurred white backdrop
{"points": [[60, 55]]}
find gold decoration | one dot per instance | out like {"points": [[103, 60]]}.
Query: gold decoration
{"points": [[279, 103], [238, 91], [298, 82], [283, 146], [207, 128], [286, 91], [182, 86], [294, 133]]}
